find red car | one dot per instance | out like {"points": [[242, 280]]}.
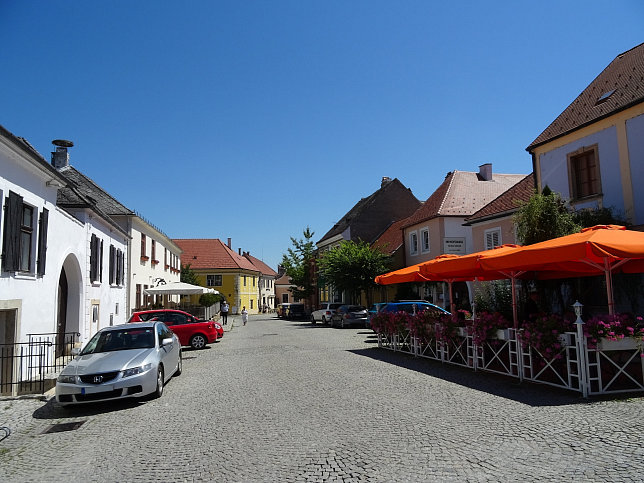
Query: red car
{"points": [[190, 330]]}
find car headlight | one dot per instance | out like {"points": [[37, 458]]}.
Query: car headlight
{"points": [[67, 379], [133, 371]]}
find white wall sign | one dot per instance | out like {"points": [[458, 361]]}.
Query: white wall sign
{"points": [[454, 245]]}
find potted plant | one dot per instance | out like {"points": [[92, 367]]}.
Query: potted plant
{"points": [[544, 333], [614, 332]]}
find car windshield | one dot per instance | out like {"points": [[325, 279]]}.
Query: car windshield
{"points": [[118, 340]]}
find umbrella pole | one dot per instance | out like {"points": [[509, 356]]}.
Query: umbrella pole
{"points": [[609, 287], [514, 302], [452, 305]]}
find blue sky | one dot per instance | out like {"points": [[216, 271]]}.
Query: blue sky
{"points": [[252, 120]]}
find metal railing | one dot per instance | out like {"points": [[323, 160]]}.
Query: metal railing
{"points": [[31, 367]]}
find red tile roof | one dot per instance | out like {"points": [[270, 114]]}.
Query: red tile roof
{"points": [[462, 193], [211, 254], [619, 86], [392, 238], [506, 202], [261, 266]]}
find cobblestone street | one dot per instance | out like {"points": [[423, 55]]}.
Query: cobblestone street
{"points": [[288, 401]]}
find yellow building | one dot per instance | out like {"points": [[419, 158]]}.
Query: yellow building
{"points": [[218, 266]]}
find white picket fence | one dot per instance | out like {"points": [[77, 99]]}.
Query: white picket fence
{"points": [[612, 367]]}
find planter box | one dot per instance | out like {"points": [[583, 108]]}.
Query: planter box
{"points": [[462, 331], [565, 340], [503, 334], [625, 344]]}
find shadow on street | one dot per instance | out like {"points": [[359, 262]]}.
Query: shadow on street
{"points": [[532, 394]]}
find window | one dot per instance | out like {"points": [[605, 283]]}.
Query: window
{"points": [[17, 249], [138, 295], [154, 251], [112, 265], [95, 259], [492, 238], [583, 173], [143, 244], [244, 280], [413, 243], [284, 298], [213, 280], [251, 303], [424, 240]]}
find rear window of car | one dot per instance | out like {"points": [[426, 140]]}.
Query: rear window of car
{"points": [[355, 308], [334, 306]]}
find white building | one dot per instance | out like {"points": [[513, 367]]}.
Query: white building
{"points": [[63, 259]]}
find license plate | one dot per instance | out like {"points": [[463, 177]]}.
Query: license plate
{"points": [[95, 389]]}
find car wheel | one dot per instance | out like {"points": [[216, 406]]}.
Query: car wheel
{"points": [[312, 319], [198, 341], [179, 366], [159, 390], [324, 321]]}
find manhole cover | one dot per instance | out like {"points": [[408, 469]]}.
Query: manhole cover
{"points": [[59, 428]]}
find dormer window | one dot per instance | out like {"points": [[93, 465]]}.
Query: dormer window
{"points": [[604, 97]]}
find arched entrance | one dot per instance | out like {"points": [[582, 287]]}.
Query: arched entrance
{"points": [[61, 315], [69, 302]]}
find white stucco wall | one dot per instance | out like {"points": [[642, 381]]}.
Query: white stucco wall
{"points": [[554, 169], [635, 134]]}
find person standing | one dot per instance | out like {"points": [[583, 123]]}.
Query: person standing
{"points": [[224, 312], [244, 313]]}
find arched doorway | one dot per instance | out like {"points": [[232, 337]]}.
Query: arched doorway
{"points": [[61, 315]]}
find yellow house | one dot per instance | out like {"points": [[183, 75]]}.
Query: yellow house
{"points": [[218, 266]]}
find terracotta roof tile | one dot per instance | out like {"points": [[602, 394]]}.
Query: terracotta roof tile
{"points": [[619, 86], [211, 254], [507, 202], [462, 193], [261, 266], [392, 238]]}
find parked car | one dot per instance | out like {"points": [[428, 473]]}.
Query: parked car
{"points": [[295, 312], [128, 360], [413, 307], [347, 315], [375, 308], [190, 330], [324, 313]]}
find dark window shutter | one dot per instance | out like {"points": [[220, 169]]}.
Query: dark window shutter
{"points": [[11, 241], [42, 241], [100, 263], [122, 268], [112, 267], [93, 258]]}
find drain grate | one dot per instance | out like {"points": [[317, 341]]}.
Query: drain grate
{"points": [[268, 334], [59, 428]]}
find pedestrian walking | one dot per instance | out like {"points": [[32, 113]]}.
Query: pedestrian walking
{"points": [[244, 313], [224, 312]]}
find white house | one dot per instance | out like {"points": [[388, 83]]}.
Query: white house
{"points": [[593, 152], [56, 269]]}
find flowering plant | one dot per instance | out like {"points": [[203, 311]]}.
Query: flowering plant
{"points": [[543, 333], [613, 327], [486, 324], [390, 322], [423, 325], [448, 327]]}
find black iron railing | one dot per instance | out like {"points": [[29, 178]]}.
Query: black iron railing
{"points": [[31, 367]]}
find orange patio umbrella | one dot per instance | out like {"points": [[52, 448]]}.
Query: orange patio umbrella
{"points": [[602, 249], [468, 267], [407, 274]]}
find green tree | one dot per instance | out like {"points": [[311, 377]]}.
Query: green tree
{"points": [[298, 263], [543, 217], [351, 267], [209, 299], [188, 276]]}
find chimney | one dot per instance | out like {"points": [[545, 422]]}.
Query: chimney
{"points": [[239, 251], [60, 157], [230, 243], [485, 171], [385, 180]]}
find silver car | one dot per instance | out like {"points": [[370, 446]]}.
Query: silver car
{"points": [[127, 360]]}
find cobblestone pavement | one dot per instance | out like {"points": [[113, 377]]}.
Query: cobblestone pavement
{"points": [[287, 401]]}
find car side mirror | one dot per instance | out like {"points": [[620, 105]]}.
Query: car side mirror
{"points": [[167, 341], [75, 351]]}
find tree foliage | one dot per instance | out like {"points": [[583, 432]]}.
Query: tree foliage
{"points": [[352, 267], [188, 276], [543, 217], [298, 265], [209, 299]]}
